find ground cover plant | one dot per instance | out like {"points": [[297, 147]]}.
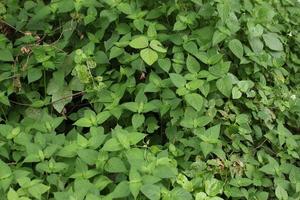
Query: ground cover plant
{"points": [[141, 99]]}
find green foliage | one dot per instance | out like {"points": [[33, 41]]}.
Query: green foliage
{"points": [[136, 99]]}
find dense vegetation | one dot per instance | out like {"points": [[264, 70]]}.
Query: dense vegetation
{"points": [[150, 99]]}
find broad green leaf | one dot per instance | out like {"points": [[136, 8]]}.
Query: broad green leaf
{"points": [[83, 122], [179, 193], [125, 8], [165, 64], [281, 193], [213, 187], [218, 37], [157, 46], [34, 74], [115, 52], [89, 156], [12, 194], [102, 116], [236, 48], [220, 68], [191, 47], [132, 106], [139, 42], [112, 145], [206, 148], [178, 80], [152, 192], [135, 182], [224, 85], [236, 93], [5, 170], [192, 64], [121, 190], [195, 100], [115, 165], [101, 58], [272, 41], [61, 98], [135, 137], [38, 189], [149, 56], [164, 171], [137, 120], [6, 55]]}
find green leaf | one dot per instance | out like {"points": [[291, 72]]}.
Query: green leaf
{"points": [[38, 189], [164, 171], [213, 187], [157, 46], [165, 64], [115, 52], [121, 190], [112, 145], [61, 98], [149, 56], [218, 37], [132, 106], [6, 55], [83, 122], [178, 80], [115, 165], [236, 48], [152, 192], [12, 195], [101, 58], [206, 148], [137, 120], [5, 170], [89, 156], [192, 64], [236, 93], [191, 47], [135, 183], [125, 8], [195, 100], [102, 117], [224, 85], [34, 74], [272, 41], [179, 193], [139, 42], [220, 68], [135, 137], [281, 193]]}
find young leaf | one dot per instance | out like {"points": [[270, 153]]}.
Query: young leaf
{"points": [[281, 193], [178, 80], [115, 165], [236, 93], [157, 46], [151, 191], [236, 48], [140, 42], [224, 85], [165, 64], [195, 100], [6, 55], [137, 120], [135, 182], [149, 56], [192, 64], [272, 41], [5, 170], [83, 122]]}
